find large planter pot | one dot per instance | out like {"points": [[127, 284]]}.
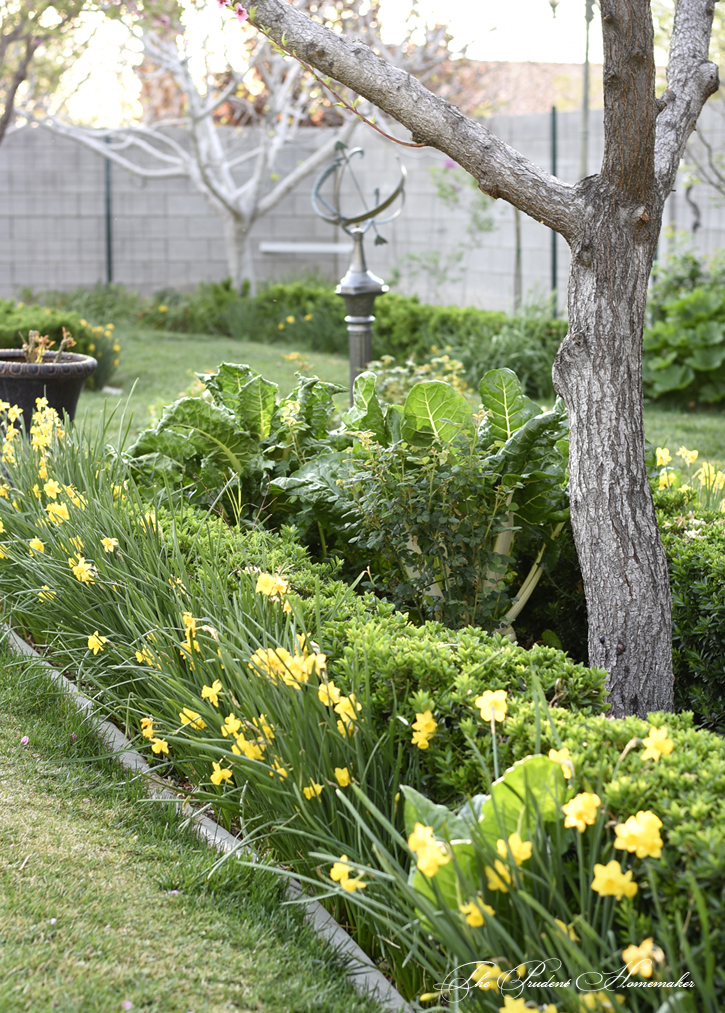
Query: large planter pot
{"points": [[60, 382]]}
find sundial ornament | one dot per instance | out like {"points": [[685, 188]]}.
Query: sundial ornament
{"points": [[359, 288]]}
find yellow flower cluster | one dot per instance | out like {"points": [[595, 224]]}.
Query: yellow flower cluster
{"points": [[581, 811], [639, 959], [274, 587], [430, 854], [346, 707], [341, 873], [640, 834], [12, 414], [474, 912], [82, 570], [424, 728], [281, 666]]}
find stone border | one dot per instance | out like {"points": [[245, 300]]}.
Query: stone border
{"points": [[363, 974]]}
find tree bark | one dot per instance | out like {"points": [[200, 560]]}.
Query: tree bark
{"points": [[611, 222], [239, 253]]}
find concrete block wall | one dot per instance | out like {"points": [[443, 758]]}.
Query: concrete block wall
{"points": [[165, 234]]}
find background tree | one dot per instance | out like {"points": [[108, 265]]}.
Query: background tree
{"points": [[264, 94], [36, 46], [611, 221]]}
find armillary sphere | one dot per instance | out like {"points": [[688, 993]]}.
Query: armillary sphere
{"points": [[332, 213]]}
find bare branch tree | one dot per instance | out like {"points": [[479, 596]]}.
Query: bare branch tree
{"points": [[612, 222], [239, 171]]}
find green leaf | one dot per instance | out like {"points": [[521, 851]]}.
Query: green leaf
{"points": [[315, 399], [366, 413], [447, 826], [225, 385], [393, 423], [509, 408], [433, 410], [447, 878], [257, 401], [706, 359], [534, 787], [674, 377], [214, 431]]}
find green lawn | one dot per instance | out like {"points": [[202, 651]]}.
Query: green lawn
{"points": [[163, 366], [106, 900]]}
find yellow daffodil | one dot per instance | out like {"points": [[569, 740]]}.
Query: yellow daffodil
{"points": [[252, 750], [688, 456], [145, 657], [45, 594], [82, 570], [639, 959], [109, 544], [581, 811], [499, 877], [147, 728], [270, 585], [562, 757], [430, 853], [35, 545], [492, 704], [313, 790], [190, 717], [511, 1005], [566, 930], [521, 850], [263, 726], [211, 693], [610, 881], [58, 512], [159, 745], [657, 744], [220, 774], [279, 770], [663, 457], [52, 488], [231, 725], [640, 834], [328, 693], [96, 642], [347, 707], [474, 911], [424, 728], [341, 873], [486, 977], [342, 776], [666, 479]]}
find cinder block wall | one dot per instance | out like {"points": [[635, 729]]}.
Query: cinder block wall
{"points": [[164, 233]]}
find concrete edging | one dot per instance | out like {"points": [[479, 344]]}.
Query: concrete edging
{"points": [[362, 973]]}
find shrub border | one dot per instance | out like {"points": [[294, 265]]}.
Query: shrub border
{"points": [[363, 974]]}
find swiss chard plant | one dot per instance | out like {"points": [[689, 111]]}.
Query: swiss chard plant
{"points": [[438, 494]]}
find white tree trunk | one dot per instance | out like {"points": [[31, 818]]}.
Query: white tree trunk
{"points": [[239, 253]]}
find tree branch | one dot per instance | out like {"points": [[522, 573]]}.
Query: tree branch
{"points": [[629, 97], [691, 80], [500, 170]]}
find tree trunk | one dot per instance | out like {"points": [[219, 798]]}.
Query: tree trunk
{"points": [[598, 372], [239, 253]]}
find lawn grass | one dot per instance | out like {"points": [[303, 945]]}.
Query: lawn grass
{"points": [[702, 429], [162, 366], [105, 898]]}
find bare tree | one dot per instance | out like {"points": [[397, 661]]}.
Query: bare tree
{"points": [[269, 97], [611, 221]]}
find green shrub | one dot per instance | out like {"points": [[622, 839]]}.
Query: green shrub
{"points": [[404, 327], [97, 305], [17, 319], [413, 669], [679, 274], [527, 344]]}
